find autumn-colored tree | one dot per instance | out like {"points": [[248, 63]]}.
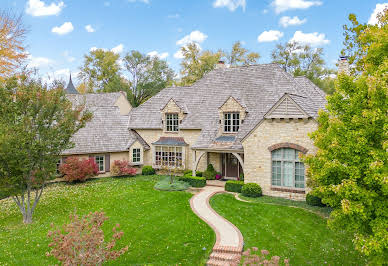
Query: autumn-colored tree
{"points": [[36, 124], [349, 171], [240, 56], [76, 169], [82, 241], [12, 47]]}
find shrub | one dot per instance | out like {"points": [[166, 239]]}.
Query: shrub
{"points": [[122, 168], [199, 173], [190, 173], [210, 173], [241, 178], [194, 181], [75, 169], [314, 200], [81, 242], [234, 186], [147, 170], [251, 190], [187, 172], [166, 185]]}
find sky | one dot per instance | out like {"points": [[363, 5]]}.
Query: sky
{"points": [[61, 32]]}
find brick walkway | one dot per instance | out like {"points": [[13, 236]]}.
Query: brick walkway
{"points": [[229, 241]]}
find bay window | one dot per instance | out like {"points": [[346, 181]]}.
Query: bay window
{"points": [[168, 156]]}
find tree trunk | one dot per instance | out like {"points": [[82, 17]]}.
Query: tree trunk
{"points": [[27, 217]]}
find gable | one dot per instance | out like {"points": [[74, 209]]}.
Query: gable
{"points": [[286, 108], [171, 107], [123, 104], [232, 105]]}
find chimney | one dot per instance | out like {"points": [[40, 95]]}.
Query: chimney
{"points": [[343, 65], [220, 64]]}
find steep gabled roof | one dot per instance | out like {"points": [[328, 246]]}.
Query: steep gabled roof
{"points": [[70, 89], [94, 99]]}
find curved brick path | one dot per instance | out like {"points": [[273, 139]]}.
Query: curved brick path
{"points": [[229, 241]]}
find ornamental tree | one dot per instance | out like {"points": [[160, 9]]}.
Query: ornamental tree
{"points": [[75, 169], [349, 171], [36, 124]]}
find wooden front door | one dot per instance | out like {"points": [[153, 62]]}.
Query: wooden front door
{"points": [[230, 167]]}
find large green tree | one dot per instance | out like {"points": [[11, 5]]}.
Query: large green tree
{"points": [[350, 169], [303, 60], [147, 76], [100, 70], [36, 124], [240, 56]]}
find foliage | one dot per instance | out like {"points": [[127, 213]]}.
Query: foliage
{"points": [[251, 190], [195, 64], [76, 169], [194, 181], [218, 176], [210, 173], [349, 170], [81, 242], [122, 168], [147, 170], [234, 186], [302, 60], [12, 48], [314, 200], [148, 75], [241, 177], [190, 173], [100, 69], [252, 257], [145, 216], [240, 56], [297, 234], [166, 185], [36, 124]]}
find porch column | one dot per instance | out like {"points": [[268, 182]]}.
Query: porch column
{"points": [[239, 159], [194, 166], [196, 160]]}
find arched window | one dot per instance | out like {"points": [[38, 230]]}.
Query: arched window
{"points": [[287, 169]]}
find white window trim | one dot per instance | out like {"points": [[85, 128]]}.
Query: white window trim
{"points": [[166, 125], [103, 164], [183, 166], [140, 162]]}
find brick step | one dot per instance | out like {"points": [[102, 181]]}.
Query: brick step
{"points": [[214, 262], [227, 249], [225, 256]]}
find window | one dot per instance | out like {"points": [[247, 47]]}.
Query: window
{"points": [[231, 122], [136, 155], [100, 161], [168, 156], [172, 122], [287, 170], [59, 162]]}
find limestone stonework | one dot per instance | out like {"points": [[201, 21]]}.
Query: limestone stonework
{"points": [[257, 154], [172, 108]]}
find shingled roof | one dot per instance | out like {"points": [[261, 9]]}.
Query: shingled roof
{"points": [[256, 87], [94, 99], [70, 89]]}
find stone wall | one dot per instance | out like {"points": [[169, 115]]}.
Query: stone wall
{"points": [[257, 157]]}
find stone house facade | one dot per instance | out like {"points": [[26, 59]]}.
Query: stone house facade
{"points": [[251, 120]]}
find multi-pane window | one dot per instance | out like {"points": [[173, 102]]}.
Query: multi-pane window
{"points": [[59, 162], [287, 170], [231, 122], [136, 155], [168, 156], [172, 122], [100, 161]]}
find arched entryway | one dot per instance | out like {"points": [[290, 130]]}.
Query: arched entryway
{"points": [[231, 166]]}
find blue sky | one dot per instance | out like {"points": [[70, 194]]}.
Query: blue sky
{"points": [[59, 34]]}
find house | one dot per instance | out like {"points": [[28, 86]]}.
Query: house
{"points": [[250, 120]]}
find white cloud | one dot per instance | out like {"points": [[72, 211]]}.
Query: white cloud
{"points": [[313, 39], [195, 36], [38, 8], [118, 49], [141, 1], [65, 28], [291, 21], [379, 8], [270, 36], [232, 5], [174, 16], [89, 28], [156, 54], [39, 61], [178, 54], [265, 11], [283, 5], [68, 57]]}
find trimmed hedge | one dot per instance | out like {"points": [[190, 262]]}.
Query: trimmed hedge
{"points": [[251, 190], [194, 181], [314, 200], [190, 173], [147, 170], [234, 186]]}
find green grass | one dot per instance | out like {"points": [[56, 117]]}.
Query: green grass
{"points": [[176, 185], [295, 233], [159, 227]]}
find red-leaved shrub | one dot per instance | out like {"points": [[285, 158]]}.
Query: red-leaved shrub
{"points": [[81, 242], [121, 168], [75, 169]]}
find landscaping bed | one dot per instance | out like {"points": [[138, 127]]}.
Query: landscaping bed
{"points": [[159, 228]]}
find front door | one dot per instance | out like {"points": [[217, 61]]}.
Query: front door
{"points": [[230, 165]]}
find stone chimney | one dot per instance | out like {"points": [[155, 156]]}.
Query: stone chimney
{"points": [[221, 64], [343, 65]]}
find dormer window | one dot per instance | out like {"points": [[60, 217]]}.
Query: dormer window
{"points": [[231, 122], [172, 122]]}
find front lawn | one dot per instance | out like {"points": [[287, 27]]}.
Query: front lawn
{"points": [[288, 232], [159, 227]]}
